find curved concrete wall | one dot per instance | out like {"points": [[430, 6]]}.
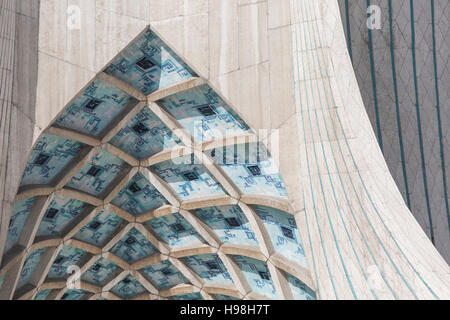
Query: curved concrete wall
{"points": [[283, 65], [403, 72]]}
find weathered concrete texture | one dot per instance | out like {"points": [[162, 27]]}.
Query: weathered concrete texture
{"points": [[18, 77], [403, 73]]}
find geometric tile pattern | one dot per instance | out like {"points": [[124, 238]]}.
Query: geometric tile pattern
{"points": [[138, 220], [253, 170], [204, 114], [230, 224], [403, 73]]}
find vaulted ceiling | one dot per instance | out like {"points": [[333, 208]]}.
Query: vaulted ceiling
{"points": [[153, 186]]}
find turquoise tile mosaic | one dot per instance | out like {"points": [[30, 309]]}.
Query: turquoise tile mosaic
{"points": [[145, 135], [67, 257], [175, 231], [128, 288], [224, 297], [299, 290], [164, 275], [31, 262], [258, 276], [1, 280], [148, 65], [42, 294], [49, 157], [133, 247], [229, 223], [97, 174], [99, 272], [94, 109], [204, 114], [99, 229], [189, 179], [139, 196], [283, 232], [17, 222], [73, 295], [209, 267], [189, 297], [251, 168], [59, 214]]}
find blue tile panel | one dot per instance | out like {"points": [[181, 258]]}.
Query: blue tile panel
{"points": [[225, 298], [42, 295], [144, 136], [149, 65], [48, 158], [18, 218], [188, 178], [129, 287], [229, 232], [73, 295], [67, 209], [133, 247], [175, 231], [99, 229], [258, 276], [97, 174], [67, 257], [204, 114], [189, 297], [1, 280], [29, 266], [164, 275], [94, 109], [299, 290], [251, 168], [283, 233], [99, 271], [139, 200], [209, 267]]}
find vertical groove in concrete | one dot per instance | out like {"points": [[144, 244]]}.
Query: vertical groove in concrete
{"points": [[19, 27]]}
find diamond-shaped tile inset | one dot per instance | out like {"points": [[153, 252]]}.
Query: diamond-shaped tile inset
{"points": [[59, 214], [176, 231], [93, 110], [230, 224], [42, 294], [99, 272], [67, 257], [129, 287], [144, 136], [48, 158], [17, 222], [29, 266], [251, 168], [299, 290], [258, 276], [99, 229], [139, 196], [189, 297], [209, 267], [97, 174], [188, 178], [73, 294], [133, 247], [283, 233], [204, 114], [164, 275], [148, 65]]}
